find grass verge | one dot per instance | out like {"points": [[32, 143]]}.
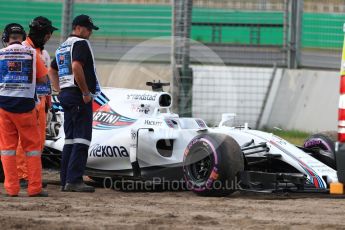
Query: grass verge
{"points": [[295, 137]]}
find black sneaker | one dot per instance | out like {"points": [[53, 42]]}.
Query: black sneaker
{"points": [[78, 187], [41, 194]]}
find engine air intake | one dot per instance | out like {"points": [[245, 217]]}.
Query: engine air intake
{"points": [[164, 100]]}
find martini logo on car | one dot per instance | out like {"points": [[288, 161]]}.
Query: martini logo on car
{"points": [[105, 119], [98, 150]]}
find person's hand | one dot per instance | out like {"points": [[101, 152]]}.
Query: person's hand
{"points": [[55, 92], [48, 103], [87, 98]]}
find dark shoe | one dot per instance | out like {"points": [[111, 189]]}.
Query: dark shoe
{"points": [[62, 188], [41, 194], [78, 187], [23, 183]]}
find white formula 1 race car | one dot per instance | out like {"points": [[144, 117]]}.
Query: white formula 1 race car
{"points": [[135, 136]]}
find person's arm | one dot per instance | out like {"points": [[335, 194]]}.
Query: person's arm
{"points": [[54, 79], [80, 55], [46, 58], [79, 77], [54, 76], [41, 70]]}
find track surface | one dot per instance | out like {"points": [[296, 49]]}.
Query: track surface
{"points": [[110, 209], [230, 55]]}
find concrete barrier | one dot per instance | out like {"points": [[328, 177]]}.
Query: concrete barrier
{"points": [[131, 75], [306, 100]]}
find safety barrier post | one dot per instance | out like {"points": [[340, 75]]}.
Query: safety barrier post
{"points": [[295, 28], [182, 81], [66, 20]]}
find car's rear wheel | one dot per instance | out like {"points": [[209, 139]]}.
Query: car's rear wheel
{"points": [[323, 147], [211, 165]]}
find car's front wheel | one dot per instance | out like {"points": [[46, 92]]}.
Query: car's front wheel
{"points": [[211, 165], [323, 147]]}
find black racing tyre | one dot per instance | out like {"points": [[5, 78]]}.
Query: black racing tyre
{"points": [[324, 145], [211, 165]]}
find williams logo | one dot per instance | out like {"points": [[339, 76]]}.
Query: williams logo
{"points": [[105, 119], [98, 150], [142, 97]]}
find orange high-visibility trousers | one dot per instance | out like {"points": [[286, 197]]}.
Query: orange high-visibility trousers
{"points": [[21, 162], [21, 158], [25, 126]]}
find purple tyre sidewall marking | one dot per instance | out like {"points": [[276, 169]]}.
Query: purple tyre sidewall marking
{"points": [[316, 142], [209, 182]]}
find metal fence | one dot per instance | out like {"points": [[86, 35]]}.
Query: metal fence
{"points": [[243, 32], [231, 34], [321, 34], [252, 32], [230, 89]]}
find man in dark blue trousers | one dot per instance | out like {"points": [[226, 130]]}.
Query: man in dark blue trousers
{"points": [[73, 74]]}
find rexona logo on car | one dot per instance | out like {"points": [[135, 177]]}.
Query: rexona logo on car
{"points": [[98, 150], [105, 119]]}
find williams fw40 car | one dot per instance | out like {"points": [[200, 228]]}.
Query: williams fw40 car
{"points": [[137, 137]]}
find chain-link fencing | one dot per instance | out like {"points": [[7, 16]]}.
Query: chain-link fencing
{"points": [[251, 32], [244, 35], [322, 34]]}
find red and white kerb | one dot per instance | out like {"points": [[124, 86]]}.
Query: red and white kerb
{"points": [[341, 113]]}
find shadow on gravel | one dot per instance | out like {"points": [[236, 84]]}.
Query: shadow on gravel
{"points": [[137, 186], [284, 195], [129, 186], [140, 186]]}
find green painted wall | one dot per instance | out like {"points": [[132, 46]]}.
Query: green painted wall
{"points": [[128, 21], [23, 12]]}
